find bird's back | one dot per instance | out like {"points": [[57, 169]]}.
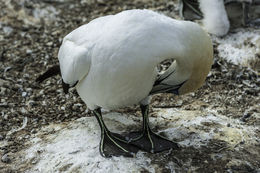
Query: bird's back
{"points": [[143, 32], [121, 53]]}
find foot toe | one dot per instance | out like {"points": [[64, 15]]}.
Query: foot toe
{"points": [[111, 145], [151, 142]]}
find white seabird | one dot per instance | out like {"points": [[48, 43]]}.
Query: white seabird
{"points": [[214, 13], [215, 17], [113, 61]]}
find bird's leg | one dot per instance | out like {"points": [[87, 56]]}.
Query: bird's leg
{"points": [[246, 17], [245, 7], [190, 10], [147, 140], [110, 145]]}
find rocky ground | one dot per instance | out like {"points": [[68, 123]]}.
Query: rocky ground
{"points": [[30, 35]]}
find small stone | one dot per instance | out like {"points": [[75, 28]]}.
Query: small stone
{"points": [[246, 116], [49, 44], [2, 89], [179, 103], [24, 94], [8, 30], [29, 51], [34, 161], [1, 137], [33, 131], [2, 82], [27, 136], [6, 158], [5, 117]]}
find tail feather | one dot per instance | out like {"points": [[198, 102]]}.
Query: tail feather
{"points": [[49, 73]]}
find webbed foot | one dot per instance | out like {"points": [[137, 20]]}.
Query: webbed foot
{"points": [[112, 144], [146, 139], [150, 142]]}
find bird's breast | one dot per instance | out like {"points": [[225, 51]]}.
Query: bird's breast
{"points": [[116, 84]]}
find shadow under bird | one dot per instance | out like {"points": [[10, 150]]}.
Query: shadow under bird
{"points": [[112, 61]]}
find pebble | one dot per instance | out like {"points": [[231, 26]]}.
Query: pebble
{"points": [[2, 82], [5, 117], [49, 44], [24, 94], [2, 89], [29, 51], [1, 137], [246, 116], [33, 131], [6, 159]]}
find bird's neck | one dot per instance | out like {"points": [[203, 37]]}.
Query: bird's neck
{"points": [[194, 73]]}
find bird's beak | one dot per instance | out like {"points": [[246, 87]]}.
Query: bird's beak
{"points": [[65, 87]]}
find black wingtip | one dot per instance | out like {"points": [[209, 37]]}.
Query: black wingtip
{"points": [[49, 73]]}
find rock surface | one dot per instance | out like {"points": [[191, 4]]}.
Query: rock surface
{"points": [[74, 147]]}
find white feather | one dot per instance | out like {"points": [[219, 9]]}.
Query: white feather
{"points": [[215, 17]]}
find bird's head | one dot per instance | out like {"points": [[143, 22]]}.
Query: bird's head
{"points": [[199, 61], [73, 63]]}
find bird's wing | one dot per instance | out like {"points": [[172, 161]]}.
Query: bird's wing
{"points": [[160, 87], [165, 83]]}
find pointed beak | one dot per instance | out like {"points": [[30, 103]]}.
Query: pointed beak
{"points": [[65, 87]]}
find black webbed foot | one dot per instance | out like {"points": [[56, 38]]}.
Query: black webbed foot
{"points": [[147, 140], [112, 144], [151, 142]]}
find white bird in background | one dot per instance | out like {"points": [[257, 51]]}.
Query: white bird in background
{"points": [[215, 16], [113, 61], [214, 13]]}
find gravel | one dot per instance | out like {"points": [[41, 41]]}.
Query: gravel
{"points": [[6, 159], [30, 35]]}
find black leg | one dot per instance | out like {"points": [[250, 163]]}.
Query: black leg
{"points": [[111, 144], [189, 10], [147, 140], [245, 7]]}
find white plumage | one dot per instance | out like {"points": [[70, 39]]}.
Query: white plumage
{"points": [[215, 16], [114, 58]]}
